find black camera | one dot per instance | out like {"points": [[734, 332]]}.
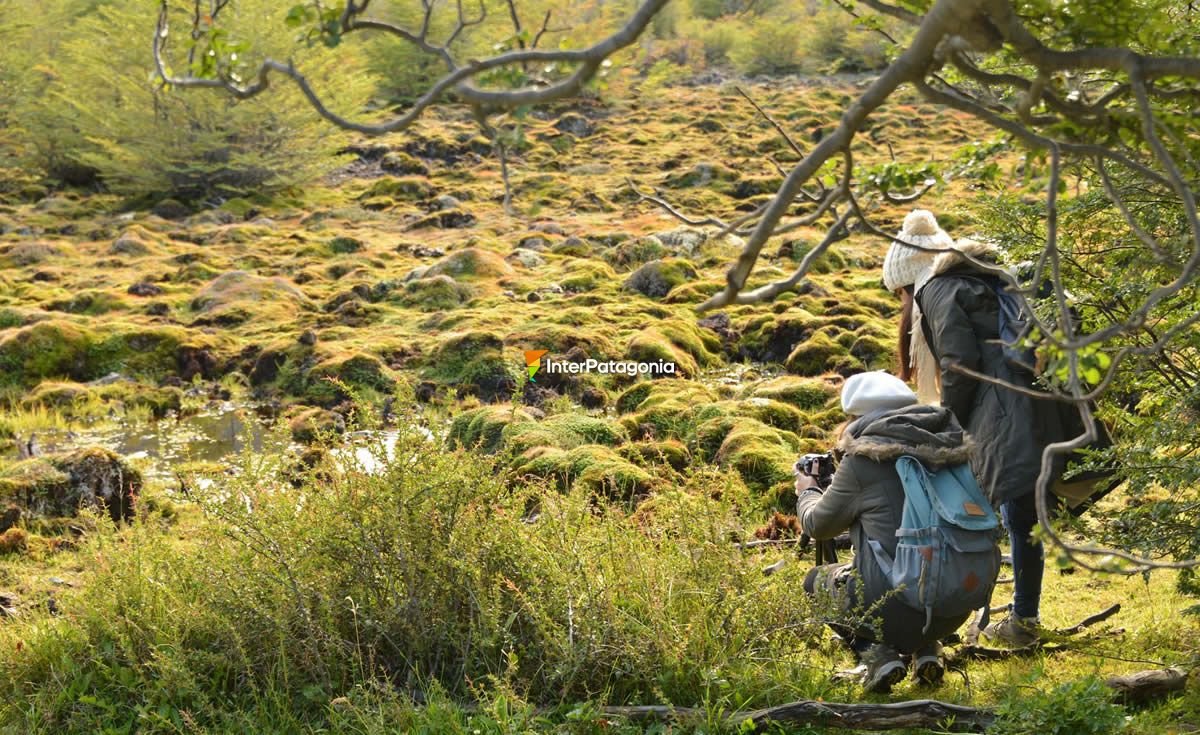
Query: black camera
{"points": [[817, 466]]}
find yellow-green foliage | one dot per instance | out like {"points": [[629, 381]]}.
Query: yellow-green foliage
{"points": [[97, 105]]}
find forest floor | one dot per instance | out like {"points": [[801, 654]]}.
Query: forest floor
{"points": [[178, 338]]}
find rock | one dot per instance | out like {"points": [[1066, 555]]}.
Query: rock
{"points": [[10, 517], [592, 397], [308, 338], [525, 258], [446, 202], [575, 124], [470, 263], [550, 228], [157, 308], [30, 253], [533, 297], [533, 242], [142, 288], [398, 162], [684, 241], [314, 423], [656, 278], [57, 485], [192, 361], [718, 323], [171, 209], [421, 251]]}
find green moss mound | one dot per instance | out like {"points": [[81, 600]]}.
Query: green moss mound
{"points": [[806, 394], [657, 278], [594, 468], [335, 378], [48, 349], [564, 431], [675, 341], [483, 428], [475, 363], [470, 263], [58, 485]]}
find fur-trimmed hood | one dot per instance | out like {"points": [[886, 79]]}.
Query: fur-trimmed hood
{"points": [[929, 433], [954, 258]]}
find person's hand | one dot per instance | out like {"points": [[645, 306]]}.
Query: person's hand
{"points": [[806, 482]]}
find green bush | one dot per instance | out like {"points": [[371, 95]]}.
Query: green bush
{"points": [[1081, 707], [93, 104], [426, 570]]}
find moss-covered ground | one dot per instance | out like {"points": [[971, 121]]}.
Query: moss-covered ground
{"points": [[402, 272]]}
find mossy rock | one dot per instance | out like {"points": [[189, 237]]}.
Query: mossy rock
{"points": [[90, 302], [474, 362], [435, 293], [58, 395], [670, 452], [335, 378], [23, 254], [772, 337], [58, 485], [763, 456], [409, 188], [343, 245], [632, 253], [815, 356], [135, 242], [564, 431], [483, 428], [773, 413], [714, 175], [470, 263], [807, 394], [51, 348], [875, 353], [593, 468], [676, 341], [401, 163], [586, 275], [315, 424], [658, 277], [237, 296]]}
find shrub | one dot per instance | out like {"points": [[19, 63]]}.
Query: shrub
{"points": [[427, 570], [1081, 707], [100, 108]]}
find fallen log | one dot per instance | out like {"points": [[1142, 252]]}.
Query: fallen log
{"points": [[1145, 686], [1137, 688], [921, 713]]}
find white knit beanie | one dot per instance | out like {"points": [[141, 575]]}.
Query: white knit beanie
{"points": [[905, 266], [865, 393]]}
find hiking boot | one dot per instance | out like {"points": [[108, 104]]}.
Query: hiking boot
{"points": [[885, 669], [928, 666], [1015, 631]]}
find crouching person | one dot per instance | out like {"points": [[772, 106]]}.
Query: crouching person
{"points": [[890, 491]]}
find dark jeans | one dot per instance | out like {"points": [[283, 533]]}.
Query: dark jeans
{"points": [[1020, 518]]}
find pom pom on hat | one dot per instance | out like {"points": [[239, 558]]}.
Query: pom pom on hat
{"points": [[865, 393], [904, 266]]}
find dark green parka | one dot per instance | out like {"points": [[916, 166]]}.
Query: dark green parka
{"points": [[867, 497], [961, 321]]}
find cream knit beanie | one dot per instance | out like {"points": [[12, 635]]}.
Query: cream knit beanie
{"points": [[905, 266]]}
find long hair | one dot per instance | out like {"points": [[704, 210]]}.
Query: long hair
{"points": [[907, 371]]}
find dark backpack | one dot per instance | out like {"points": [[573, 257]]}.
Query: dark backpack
{"points": [[947, 559], [1014, 326]]}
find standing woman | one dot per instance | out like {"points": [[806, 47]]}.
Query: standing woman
{"points": [[955, 320]]}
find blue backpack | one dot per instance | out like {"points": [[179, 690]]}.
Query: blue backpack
{"points": [[947, 559]]}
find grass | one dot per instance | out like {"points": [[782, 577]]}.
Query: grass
{"points": [[452, 593]]}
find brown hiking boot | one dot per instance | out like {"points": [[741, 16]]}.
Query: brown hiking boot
{"points": [[1014, 631]]}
